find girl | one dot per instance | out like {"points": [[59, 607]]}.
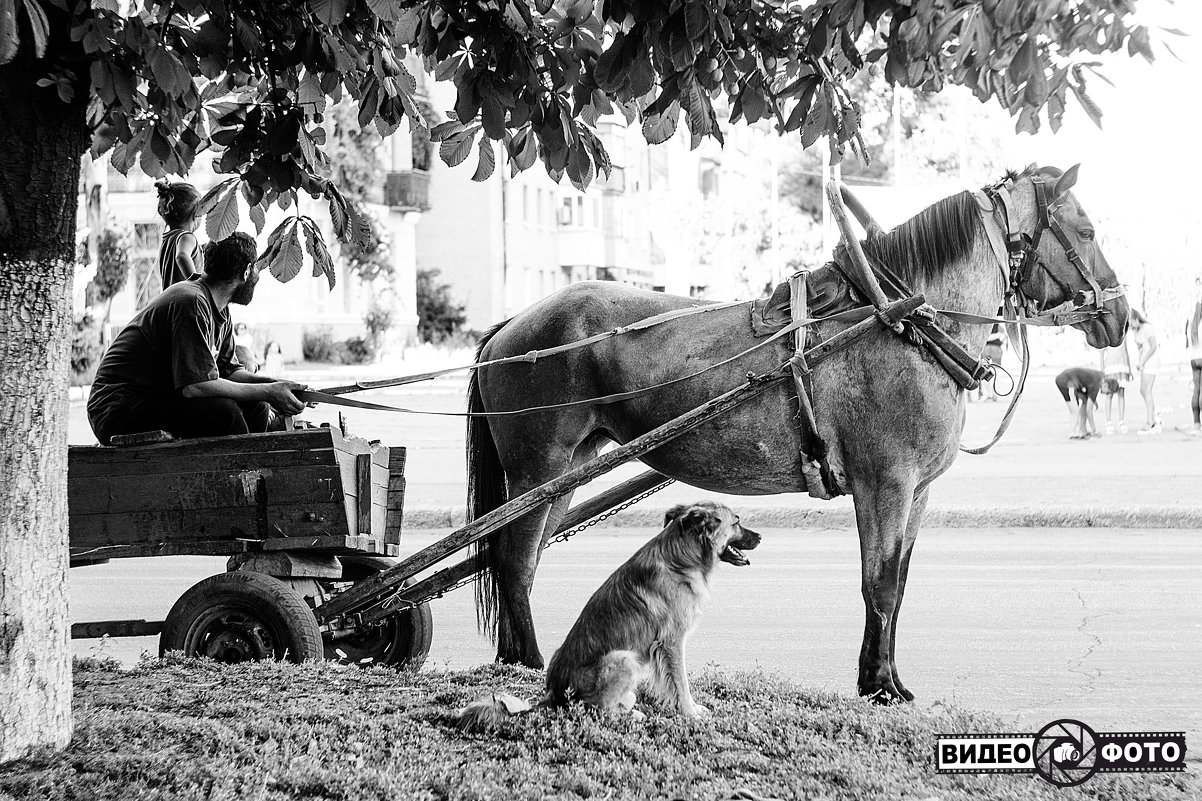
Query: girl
{"points": [[1194, 336], [1148, 367], [179, 255], [1116, 367]]}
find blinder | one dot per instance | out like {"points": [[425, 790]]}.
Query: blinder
{"points": [[1022, 255]]}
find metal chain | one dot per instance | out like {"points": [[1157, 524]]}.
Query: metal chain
{"points": [[564, 536]]}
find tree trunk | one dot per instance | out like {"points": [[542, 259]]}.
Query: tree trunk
{"points": [[41, 142]]}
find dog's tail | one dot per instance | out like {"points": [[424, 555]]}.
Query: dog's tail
{"points": [[490, 712]]}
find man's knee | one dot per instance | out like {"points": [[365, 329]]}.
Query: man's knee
{"points": [[257, 416], [212, 417]]}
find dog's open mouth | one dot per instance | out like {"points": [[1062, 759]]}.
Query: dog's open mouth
{"points": [[734, 556]]}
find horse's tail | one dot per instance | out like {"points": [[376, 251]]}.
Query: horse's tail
{"points": [[485, 492]]}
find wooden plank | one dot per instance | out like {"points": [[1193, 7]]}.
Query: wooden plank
{"points": [[241, 522], [82, 468], [115, 628], [177, 548], [371, 545], [363, 491], [373, 589], [397, 456], [202, 490], [207, 446]]}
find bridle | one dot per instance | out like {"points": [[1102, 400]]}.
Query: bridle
{"points": [[1017, 253]]}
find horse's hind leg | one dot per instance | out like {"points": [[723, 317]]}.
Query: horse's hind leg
{"points": [[882, 515], [518, 553], [916, 511]]}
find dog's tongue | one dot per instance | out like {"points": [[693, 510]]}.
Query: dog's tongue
{"points": [[734, 556]]}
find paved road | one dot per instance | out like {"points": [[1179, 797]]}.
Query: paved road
{"points": [[1100, 625]]}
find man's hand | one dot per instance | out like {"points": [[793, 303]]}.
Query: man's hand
{"points": [[279, 395]]}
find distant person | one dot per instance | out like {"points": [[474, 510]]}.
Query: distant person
{"points": [[244, 348], [1079, 386], [173, 366], [179, 254], [1194, 339], [273, 358], [1148, 367], [1116, 369]]}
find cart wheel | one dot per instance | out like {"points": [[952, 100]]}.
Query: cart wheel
{"points": [[237, 617], [402, 640]]}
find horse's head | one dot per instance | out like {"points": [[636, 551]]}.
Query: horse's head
{"points": [[1056, 263]]}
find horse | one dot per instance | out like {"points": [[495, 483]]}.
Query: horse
{"points": [[891, 416]]}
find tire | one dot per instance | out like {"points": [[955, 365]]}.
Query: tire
{"points": [[240, 617], [403, 640]]}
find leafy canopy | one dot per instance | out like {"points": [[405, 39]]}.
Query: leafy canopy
{"points": [[251, 80]]}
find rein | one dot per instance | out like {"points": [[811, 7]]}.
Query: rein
{"points": [[333, 396]]}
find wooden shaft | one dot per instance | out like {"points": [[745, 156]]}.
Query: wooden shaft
{"points": [[859, 262], [432, 585], [374, 588], [866, 220]]}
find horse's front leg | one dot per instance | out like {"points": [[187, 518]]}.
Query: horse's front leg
{"points": [[916, 512], [882, 515]]}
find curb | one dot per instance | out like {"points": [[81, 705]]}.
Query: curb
{"points": [[1136, 517]]}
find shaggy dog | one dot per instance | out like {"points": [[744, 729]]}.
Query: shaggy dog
{"points": [[632, 632]]}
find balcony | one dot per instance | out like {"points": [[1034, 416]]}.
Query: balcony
{"points": [[407, 190]]}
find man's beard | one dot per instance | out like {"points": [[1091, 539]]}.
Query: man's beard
{"points": [[245, 291]]}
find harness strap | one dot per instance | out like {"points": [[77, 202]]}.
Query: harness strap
{"points": [[1021, 334], [326, 396], [534, 355]]}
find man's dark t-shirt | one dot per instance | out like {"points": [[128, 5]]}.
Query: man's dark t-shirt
{"points": [[179, 338]]}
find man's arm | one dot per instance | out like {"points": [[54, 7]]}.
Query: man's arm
{"points": [[244, 376], [1193, 324], [277, 393]]}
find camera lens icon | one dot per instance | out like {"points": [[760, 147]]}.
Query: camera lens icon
{"points": [[1066, 753]]}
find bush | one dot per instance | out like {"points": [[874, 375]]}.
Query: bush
{"points": [[86, 349], [378, 320], [438, 316], [355, 350], [317, 345]]}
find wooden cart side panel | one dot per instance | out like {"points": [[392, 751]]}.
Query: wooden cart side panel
{"points": [[220, 523], [271, 486]]}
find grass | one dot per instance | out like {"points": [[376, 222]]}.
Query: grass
{"points": [[185, 729]]}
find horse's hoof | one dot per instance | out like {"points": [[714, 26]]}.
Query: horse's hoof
{"points": [[535, 662], [885, 696]]}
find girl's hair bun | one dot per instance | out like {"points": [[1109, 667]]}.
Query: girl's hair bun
{"points": [[163, 185]]}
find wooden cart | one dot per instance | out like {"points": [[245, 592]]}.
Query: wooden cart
{"points": [[302, 515]]}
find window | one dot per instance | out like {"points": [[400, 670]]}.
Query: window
{"points": [[145, 262]]}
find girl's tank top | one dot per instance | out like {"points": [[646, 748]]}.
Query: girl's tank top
{"points": [[169, 270]]}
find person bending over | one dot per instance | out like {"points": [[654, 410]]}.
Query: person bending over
{"points": [[173, 367], [1079, 386], [1194, 339]]}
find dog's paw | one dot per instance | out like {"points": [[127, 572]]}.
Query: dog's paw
{"points": [[697, 711], [637, 716]]}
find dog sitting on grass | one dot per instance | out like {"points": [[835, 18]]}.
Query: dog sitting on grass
{"points": [[631, 633]]}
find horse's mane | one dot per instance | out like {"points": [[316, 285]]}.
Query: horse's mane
{"points": [[923, 246]]}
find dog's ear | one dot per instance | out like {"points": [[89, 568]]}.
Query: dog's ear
{"points": [[675, 513], [700, 520]]}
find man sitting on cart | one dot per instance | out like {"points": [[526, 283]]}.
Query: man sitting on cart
{"points": [[173, 367]]}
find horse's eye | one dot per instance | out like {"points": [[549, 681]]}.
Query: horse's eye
{"points": [[1086, 234]]}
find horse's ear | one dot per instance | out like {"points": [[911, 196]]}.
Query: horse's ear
{"points": [[1066, 181]]}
